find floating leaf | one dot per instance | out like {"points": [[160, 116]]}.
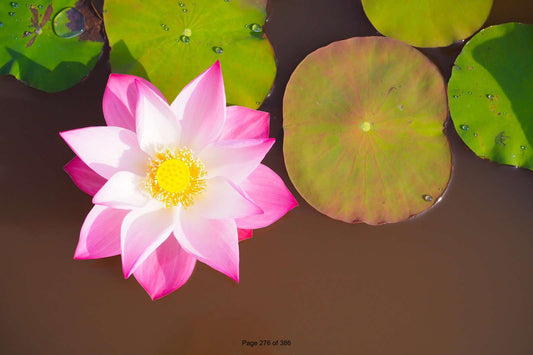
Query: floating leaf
{"points": [[49, 45], [171, 42], [427, 23], [491, 94], [363, 121]]}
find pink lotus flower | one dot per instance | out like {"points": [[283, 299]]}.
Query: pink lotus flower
{"points": [[174, 184]]}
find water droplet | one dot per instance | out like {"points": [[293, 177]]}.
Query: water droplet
{"points": [[40, 7], [14, 4], [181, 4], [26, 34], [256, 28], [1, 24], [490, 97], [475, 134], [523, 147], [11, 13], [427, 198], [218, 50], [165, 27], [470, 93], [185, 10], [185, 39], [68, 23], [464, 127], [455, 96]]}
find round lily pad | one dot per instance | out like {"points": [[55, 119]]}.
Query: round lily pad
{"points": [[49, 45], [427, 23], [363, 122], [171, 42], [491, 94]]}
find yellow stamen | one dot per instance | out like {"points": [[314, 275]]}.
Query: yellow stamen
{"points": [[175, 177]]}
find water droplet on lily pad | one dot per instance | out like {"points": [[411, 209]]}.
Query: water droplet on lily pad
{"points": [[1, 24], [40, 7], [218, 50], [185, 10], [11, 13], [523, 147], [256, 28], [26, 34], [14, 4], [181, 4], [68, 23], [427, 198], [455, 96], [464, 127], [490, 97], [185, 39]]}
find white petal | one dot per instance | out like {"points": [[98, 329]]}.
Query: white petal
{"points": [[222, 200], [201, 107], [157, 126], [235, 159], [213, 242], [143, 230], [124, 191]]}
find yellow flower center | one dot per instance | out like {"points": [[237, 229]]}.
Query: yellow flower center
{"points": [[175, 177]]}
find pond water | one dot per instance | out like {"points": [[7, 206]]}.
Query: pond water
{"points": [[455, 280]]}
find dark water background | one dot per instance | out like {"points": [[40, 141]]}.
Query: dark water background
{"points": [[456, 280]]}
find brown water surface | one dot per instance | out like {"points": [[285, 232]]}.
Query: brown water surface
{"points": [[456, 280]]}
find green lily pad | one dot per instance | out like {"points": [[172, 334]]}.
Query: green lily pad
{"points": [[49, 45], [427, 23], [171, 42], [363, 122], [491, 94]]}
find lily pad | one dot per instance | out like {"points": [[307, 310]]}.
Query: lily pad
{"points": [[491, 94], [49, 45], [171, 42], [427, 23], [363, 122]]}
